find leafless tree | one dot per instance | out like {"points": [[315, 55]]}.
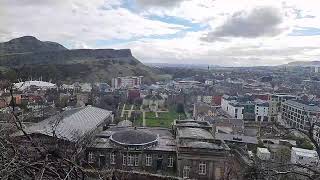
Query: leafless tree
{"points": [[34, 159], [287, 170]]}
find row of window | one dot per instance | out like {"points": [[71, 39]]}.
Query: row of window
{"points": [[294, 114], [297, 111], [202, 170], [295, 124], [131, 159], [300, 120]]}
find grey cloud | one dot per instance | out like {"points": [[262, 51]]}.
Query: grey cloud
{"points": [[261, 21], [159, 3], [260, 51], [32, 2]]}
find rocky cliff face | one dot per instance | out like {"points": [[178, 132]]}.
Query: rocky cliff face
{"points": [[67, 57], [30, 57]]}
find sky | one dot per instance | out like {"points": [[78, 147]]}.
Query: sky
{"points": [[217, 32]]}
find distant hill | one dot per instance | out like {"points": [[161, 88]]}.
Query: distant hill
{"points": [[303, 63], [28, 44], [30, 57], [191, 66]]}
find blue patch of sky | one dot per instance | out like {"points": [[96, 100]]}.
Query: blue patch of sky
{"points": [[188, 25], [100, 43], [179, 34], [307, 31], [130, 5], [191, 26], [123, 4]]}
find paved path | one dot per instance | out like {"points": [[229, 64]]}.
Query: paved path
{"points": [[122, 112], [130, 111], [143, 118]]}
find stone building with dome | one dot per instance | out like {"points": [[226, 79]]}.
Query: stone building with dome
{"points": [[188, 150], [134, 148]]}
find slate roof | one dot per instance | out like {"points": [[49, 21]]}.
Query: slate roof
{"points": [[73, 124]]}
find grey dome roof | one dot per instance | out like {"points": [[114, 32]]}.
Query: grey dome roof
{"points": [[125, 123], [134, 137]]}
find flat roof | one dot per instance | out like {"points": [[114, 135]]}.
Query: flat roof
{"points": [[305, 152], [237, 138], [204, 145], [194, 133], [303, 105]]}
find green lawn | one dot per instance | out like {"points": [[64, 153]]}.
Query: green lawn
{"points": [[164, 120], [150, 115], [138, 122], [172, 115]]}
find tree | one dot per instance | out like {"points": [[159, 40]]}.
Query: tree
{"points": [[283, 169], [180, 108], [283, 155], [11, 75], [34, 159], [304, 143]]}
